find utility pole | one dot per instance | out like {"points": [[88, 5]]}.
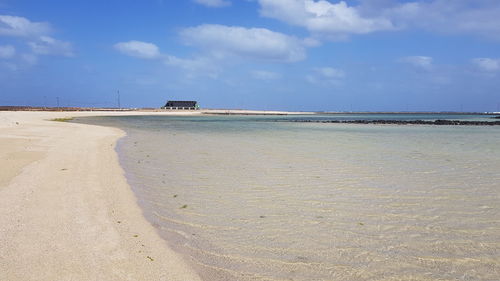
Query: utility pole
{"points": [[57, 98], [119, 104]]}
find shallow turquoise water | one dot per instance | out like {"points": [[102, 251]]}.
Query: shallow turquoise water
{"points": [[247, 198]]}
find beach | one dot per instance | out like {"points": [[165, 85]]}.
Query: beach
{"points": [[66, 211], [191, 196]]}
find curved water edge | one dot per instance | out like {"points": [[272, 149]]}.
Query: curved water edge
{"points": [[250, 200]]}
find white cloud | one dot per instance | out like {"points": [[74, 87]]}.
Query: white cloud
{"points": [[214, 3], [144, 50], [421, 62], [19, 26], [253, 43], [29, 59], [478, 17], [138, 49], [265, 75], [36, 36], [311, 42], [323, 17], [330, 72], [49, 46], [194, 67], [7, 51], [325, 75], [337, 20], [487, 64]]}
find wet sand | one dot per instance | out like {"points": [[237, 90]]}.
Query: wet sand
{"points": [[66, 210]]}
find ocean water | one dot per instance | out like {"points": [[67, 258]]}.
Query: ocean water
{"points": [[249, 198]]}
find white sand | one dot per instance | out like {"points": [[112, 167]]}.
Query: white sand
{"points": [[253, 112], [66, 210]]}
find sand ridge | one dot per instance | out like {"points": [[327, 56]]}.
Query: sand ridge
{"points": [[66, 210]]}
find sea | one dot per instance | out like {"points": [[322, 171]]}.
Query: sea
{"points": [[267, 198]]}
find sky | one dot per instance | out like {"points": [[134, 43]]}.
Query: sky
{"points": [[308, 55]]}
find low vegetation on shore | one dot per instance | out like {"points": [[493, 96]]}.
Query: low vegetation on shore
{"points": [[65, 119]]}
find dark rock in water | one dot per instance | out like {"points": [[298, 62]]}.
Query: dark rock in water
{"points": [[496, 117], [407, 122]]}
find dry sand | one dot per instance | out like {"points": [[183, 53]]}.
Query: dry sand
{"points": [[66, 210], [254, 112]]}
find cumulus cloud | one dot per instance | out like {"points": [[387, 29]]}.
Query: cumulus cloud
{"points": [[311, 42], [325, 75], [253, 43], [420, 62], [337, 20], [487, 64], [194, 67], [144, 50], [49, 46], [214, 3], [478, 17], [35, 35], [138, 49], [19, 26], [323, 17], [218, 43], [265, 75], [7, 52]]}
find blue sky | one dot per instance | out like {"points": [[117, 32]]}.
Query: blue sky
{"points": [[373, 55]]}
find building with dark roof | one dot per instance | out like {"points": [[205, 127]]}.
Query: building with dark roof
{"points": [[178, 104]]}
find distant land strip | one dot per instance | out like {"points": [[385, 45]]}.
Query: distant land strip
{"points": [[406, 122]]}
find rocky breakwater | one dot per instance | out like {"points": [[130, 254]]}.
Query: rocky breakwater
{"points": [[407, 122]]}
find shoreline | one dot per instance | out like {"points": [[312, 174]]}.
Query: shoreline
{"points": [[221, 111], [66, 209]]}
